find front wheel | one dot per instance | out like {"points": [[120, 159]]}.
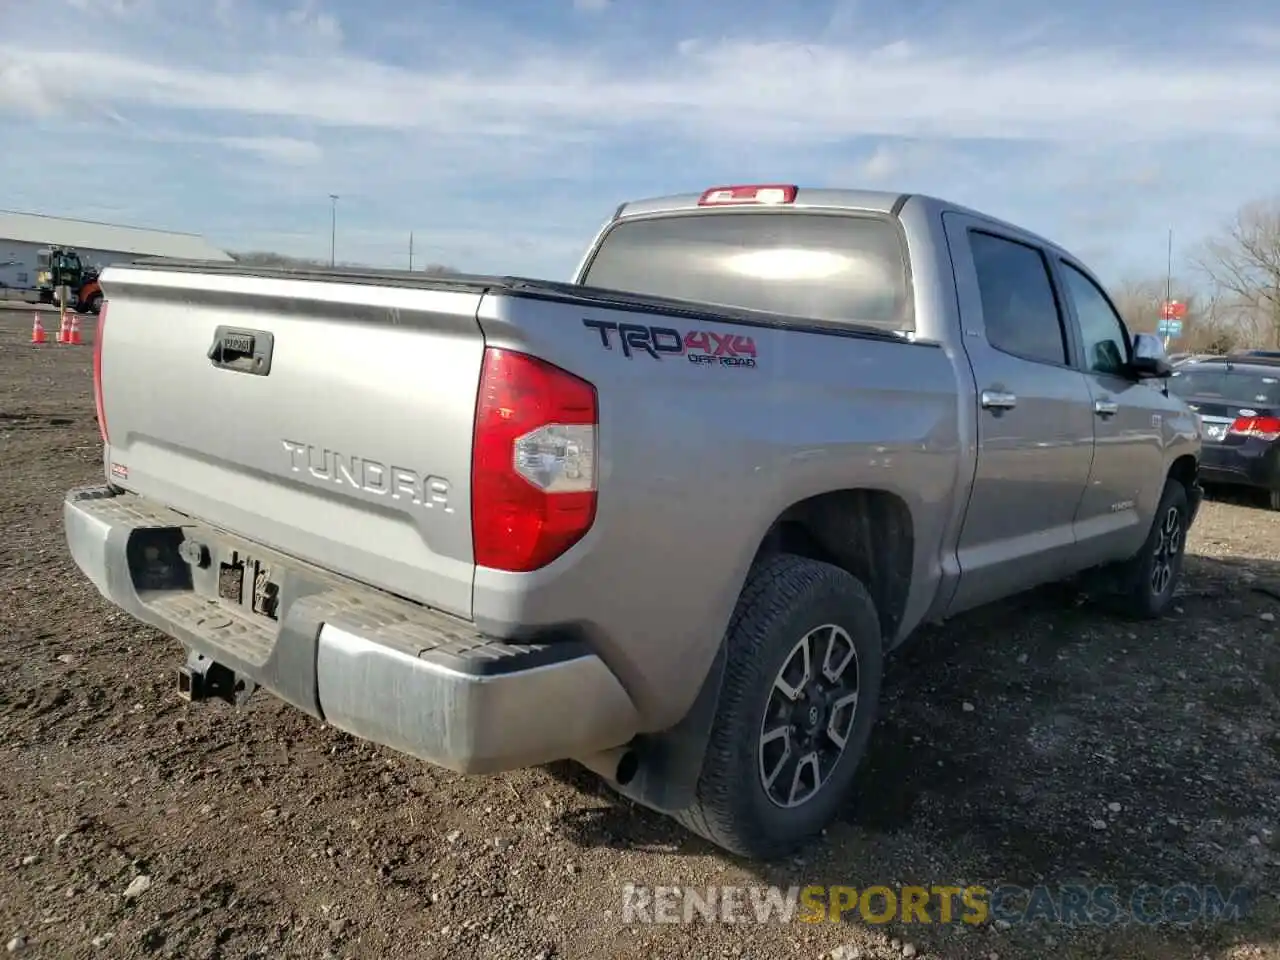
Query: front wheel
{"points": [[1152, 576], [799, 698]]}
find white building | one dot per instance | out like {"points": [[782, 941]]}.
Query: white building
{"points": [[23, 235]]}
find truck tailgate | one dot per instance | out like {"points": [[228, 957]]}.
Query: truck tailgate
{"points": [[327, 418]]}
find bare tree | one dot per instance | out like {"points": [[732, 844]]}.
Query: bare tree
{"points": [[265, 258], [1217, 329], [1138, 301], [1244, 264]]}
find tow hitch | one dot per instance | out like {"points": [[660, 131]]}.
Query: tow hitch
{"points": [[203, 679]]}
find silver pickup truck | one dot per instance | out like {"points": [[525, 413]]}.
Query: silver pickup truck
{"points": [[665, 520]]}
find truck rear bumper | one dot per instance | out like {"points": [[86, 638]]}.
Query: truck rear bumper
{"points": [[381, 668]]}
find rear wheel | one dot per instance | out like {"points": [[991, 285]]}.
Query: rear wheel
{"points": [[1273, 499], [801, 685], [95, 303]]}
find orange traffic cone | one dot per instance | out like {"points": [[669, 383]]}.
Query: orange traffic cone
{"points": [[37, 330], [64, 328], [73, 335]]}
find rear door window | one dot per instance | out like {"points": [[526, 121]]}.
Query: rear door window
{"points": [[832, 267], [1019, 310]]}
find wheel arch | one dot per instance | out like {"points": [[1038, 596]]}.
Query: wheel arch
{"points": [[868, 532], [1184, 469]]}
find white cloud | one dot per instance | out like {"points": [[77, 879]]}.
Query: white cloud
{"points": [[842, 17], [902, 165], [301, 107], [712, 90], [881, 165], [23, 91], [284, 150], [308, 16], [114, 8], [1266, 38]]}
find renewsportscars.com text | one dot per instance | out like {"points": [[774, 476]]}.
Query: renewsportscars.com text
{"points": [[972, 905]]}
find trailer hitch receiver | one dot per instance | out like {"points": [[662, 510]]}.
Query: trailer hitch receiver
{"points": [[201, 678]]}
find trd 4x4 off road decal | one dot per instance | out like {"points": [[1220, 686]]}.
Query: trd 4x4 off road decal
{"points": [[699, 346]]}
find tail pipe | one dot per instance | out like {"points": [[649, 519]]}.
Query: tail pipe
{"points": [[618, 765]]}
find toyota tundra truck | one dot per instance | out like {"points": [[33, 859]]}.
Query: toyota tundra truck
{"points": [[665, 520]]}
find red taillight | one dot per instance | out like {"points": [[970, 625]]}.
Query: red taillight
{"points": [[533, 462], [760, 193], [1264, 428], [97, 372]]}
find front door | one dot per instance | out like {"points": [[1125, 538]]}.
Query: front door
{"points": [[1127, 477], [1034, 415]]}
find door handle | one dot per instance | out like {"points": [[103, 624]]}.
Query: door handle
{"points": [[1105, 408], [998, 400]]}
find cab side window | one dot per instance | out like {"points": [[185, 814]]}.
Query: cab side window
{"points": [[1019, 310], [1106, 348]]}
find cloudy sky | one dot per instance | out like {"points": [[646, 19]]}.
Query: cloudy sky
{"points": [[502, 132]]}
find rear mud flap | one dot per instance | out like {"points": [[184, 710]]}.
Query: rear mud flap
{"points": [[670, 762]]}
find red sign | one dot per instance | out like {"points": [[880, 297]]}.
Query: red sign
{"points": [[1173, 310]]}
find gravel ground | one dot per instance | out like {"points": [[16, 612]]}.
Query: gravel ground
{"points": [[1037, 741]]}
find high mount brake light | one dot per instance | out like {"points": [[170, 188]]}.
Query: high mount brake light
{"points": [[763, 194], [1264, 428], [533, 462], [97, 372]]}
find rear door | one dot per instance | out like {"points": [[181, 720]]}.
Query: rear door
{"points": [[1035, 423], [1128, 473]]}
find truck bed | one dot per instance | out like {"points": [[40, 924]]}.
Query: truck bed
{"points": [[526, 287]]}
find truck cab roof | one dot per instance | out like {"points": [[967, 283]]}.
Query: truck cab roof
{"points": [[886, 202]]}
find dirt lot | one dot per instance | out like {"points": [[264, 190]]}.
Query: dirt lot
{"points": [[1035, 742]]}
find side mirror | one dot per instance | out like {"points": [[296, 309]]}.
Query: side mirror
{"points": [[1149, 359]]}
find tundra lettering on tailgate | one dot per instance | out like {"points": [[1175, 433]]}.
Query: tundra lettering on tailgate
{"points": [[371, 476], [700, 346]]}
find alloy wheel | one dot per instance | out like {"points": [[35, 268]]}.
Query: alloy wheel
{"points": [[1168, 549], [809, 716]]}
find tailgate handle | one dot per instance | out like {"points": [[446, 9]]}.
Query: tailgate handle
{"points": [[242, 351]]}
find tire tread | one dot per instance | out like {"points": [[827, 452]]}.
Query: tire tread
{"points": [[774, 586]]}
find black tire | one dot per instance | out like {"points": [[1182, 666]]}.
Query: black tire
{"points": [[786, 598], [1140, 597], [1273, 499], [95, 304]]}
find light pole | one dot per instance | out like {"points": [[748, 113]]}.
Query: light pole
{"points": [[333, 229], [1168, 291]]}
